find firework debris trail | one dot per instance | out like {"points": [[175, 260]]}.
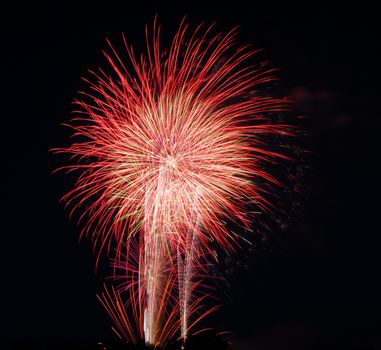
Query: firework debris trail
{"points": [[174, 144]]}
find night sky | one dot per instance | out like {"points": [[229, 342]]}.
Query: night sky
{"points": [[315, 284]]}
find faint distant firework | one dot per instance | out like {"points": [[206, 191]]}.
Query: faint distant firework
{"points": [[170, 145]]}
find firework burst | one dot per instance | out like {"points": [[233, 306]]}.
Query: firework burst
{"points": [[170, 146]]}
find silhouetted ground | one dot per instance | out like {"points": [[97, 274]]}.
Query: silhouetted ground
{"points": [[206, 340]]}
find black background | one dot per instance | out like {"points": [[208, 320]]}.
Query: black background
{"points": [[321, 291]]}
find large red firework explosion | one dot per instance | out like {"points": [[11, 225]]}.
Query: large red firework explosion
{"points": [[171, 145]]}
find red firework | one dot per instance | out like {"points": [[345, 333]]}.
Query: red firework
{"points": [[171, 145]]}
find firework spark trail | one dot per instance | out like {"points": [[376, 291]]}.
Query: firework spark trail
{"points": [[186, 262], [172, 145]]}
